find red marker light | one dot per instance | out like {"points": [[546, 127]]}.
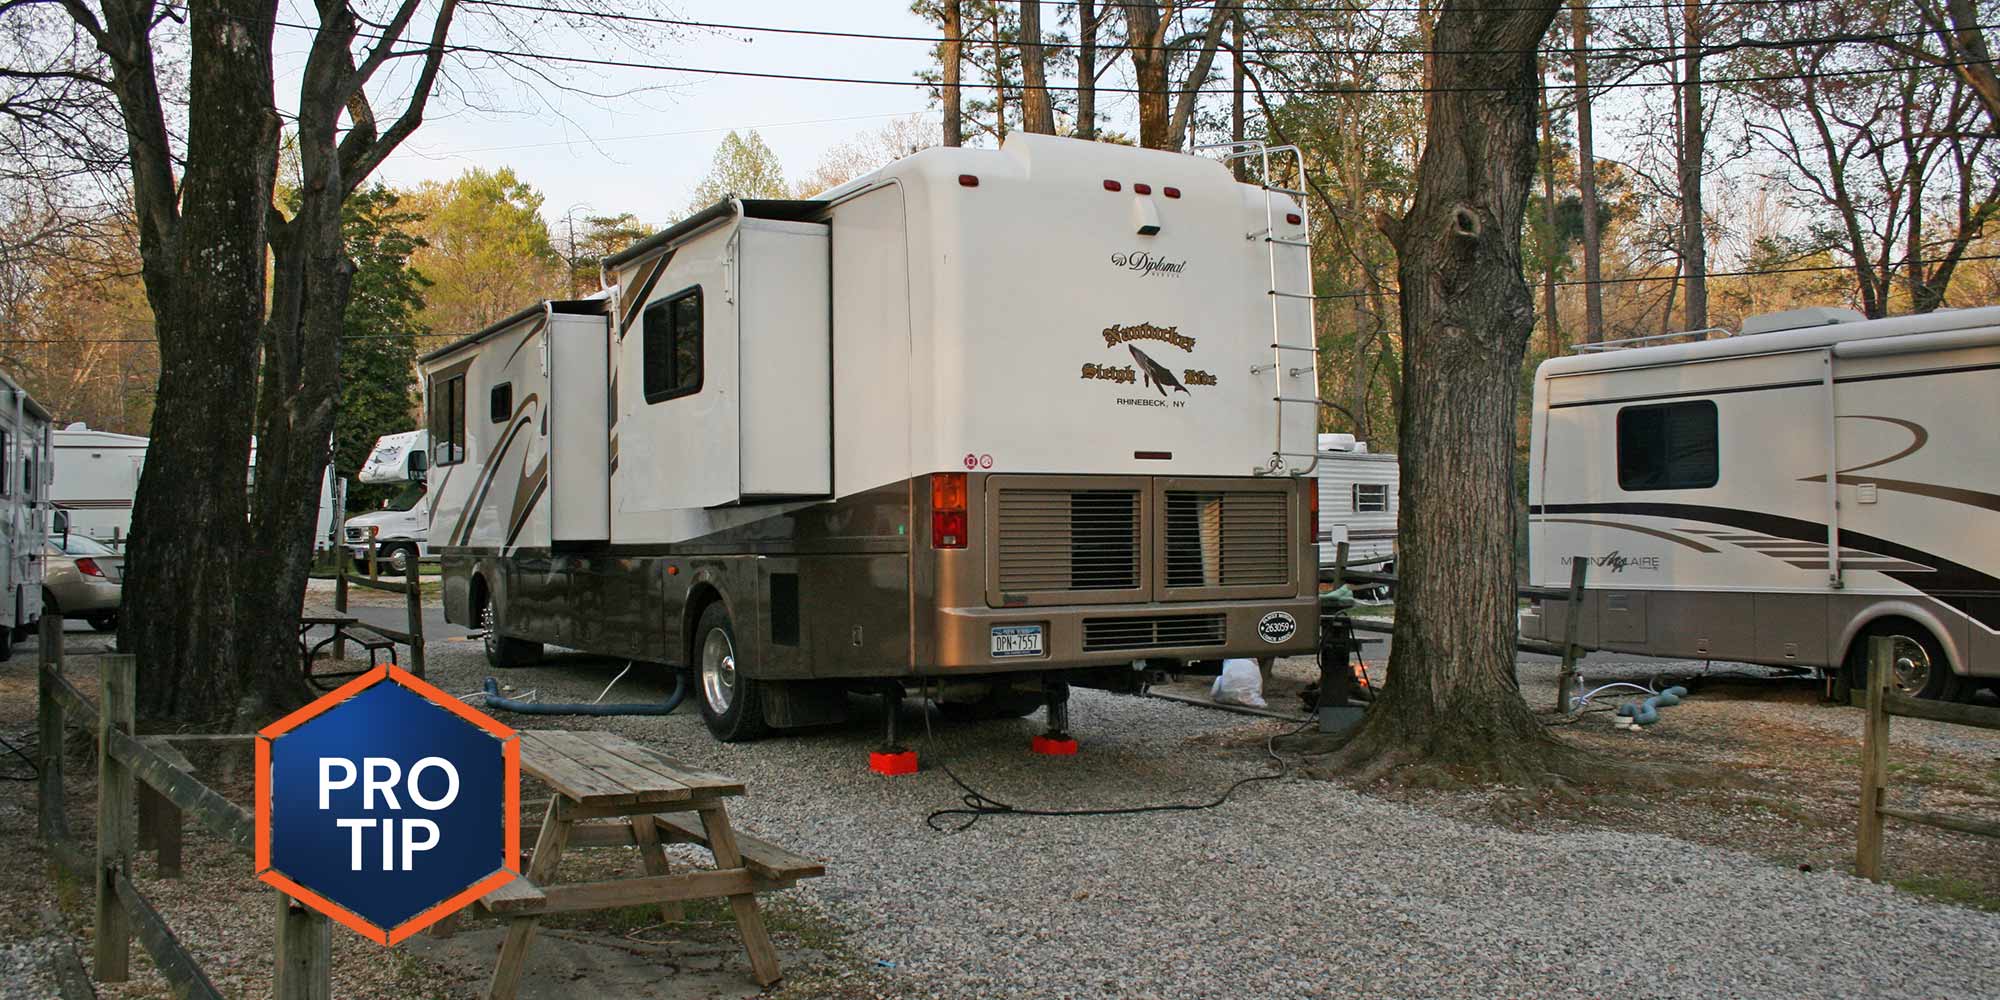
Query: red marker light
{"points": [[1142, 189], [1171, 192], [1293, 218], [968, 180], [948, 510], [1113, 186]]}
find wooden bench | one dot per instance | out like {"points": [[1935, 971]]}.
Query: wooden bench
{"points": [[641, 799]]}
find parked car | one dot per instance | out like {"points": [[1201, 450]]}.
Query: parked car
{"points": [[83, 578]]}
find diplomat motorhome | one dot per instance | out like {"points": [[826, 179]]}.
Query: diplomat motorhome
{"points": [[401, 527], [978, 418], [1357, 503], [24, 501], [1780, 495]]}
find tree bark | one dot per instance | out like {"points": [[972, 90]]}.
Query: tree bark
{"points": [[1086, 70], [1694, 149], [1036, 113], [1586, 175], [1241, 165], [952, 55], [1211, 39], [1146, 37], [1552, 243], [1452, 698]]}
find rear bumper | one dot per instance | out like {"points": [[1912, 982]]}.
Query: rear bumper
{"points": [[1093, 634], [82, 598]]}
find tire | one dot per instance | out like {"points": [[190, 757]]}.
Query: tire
{"points": [[1921, 669], [506, 652], [1000, 702], [400, 557], [106, 622], [732, 703]]}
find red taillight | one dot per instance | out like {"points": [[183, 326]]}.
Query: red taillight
{"points": [[1312, 512], [948, 510], [1142, 189], [968, 180], [88, 567], [1292, 217], [1113, 186], [1171, 192]]}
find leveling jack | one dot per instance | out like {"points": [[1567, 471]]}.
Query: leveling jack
{"points": [[892, 757], [1057, 742]]}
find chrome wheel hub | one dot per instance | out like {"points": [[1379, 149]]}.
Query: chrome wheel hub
{"points": [[718, 670], [1910, 664]]}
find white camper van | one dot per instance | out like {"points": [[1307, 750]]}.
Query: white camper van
{"points": [[1780, 495], [1358, 494], [96, 477], [24, 501], [401, 528], [981, 416]]}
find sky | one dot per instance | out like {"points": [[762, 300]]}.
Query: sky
{"points": [[643, 152]]}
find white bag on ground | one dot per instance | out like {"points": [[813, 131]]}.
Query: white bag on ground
{"points": [[1240, 683]]}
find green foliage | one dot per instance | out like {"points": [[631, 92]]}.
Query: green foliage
{"points": [[486, 249], [743, 167], [600, 237], [378, 381]]}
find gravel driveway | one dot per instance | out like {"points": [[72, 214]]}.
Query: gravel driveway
{"points": [[1295, 888]]}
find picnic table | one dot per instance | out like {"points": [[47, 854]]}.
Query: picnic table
{"points": [[344, 628], [638, 798]]}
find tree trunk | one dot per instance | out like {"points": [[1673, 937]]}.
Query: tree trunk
{"points": [[1241, 165], [999, 80], [1036, 114], [1086, 70], [952, 55], [1146, 35], [1552, 242], [1586, 175], [205, 279], [1694, 147], [1452, 698], [1211, 39]]}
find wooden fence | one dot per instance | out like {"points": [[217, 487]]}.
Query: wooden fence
{"points": [[152, 771], [1884, 703], [411, 588]]}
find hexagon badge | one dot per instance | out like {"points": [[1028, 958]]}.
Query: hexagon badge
{"points": [[387, 804]]}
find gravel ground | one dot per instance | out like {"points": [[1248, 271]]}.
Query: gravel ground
{"points": [[1296, 888]]}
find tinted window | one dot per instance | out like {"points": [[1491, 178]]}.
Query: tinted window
{"points": [[81, 545], [1667, 447], [500, 402], [1371, 498], [448, 421], [673, 346]]}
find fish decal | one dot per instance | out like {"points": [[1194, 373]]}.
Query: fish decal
{"points": [[1156, 373]]}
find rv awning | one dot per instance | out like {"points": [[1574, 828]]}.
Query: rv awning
{"points": [[783, 209]]}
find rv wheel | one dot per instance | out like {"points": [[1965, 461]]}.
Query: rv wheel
{"points": [[400, 558], [1920, 667], [503, 651], [731, 702]]}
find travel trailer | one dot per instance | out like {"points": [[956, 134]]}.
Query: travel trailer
{"points": [[1357, 503], [97, 475], [24, 500], [1780, 495], [980, 419], [402, 525]]}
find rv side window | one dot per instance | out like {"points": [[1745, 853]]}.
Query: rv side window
{"points": [[6, 467], [673, 346], [1667, 447], [1371, 498], [500, 402], [448, 421]]}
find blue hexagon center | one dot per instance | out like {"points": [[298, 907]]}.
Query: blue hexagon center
{"points": [[387, 804]]}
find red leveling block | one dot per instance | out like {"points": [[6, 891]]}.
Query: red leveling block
{"points": [[1053, 746], [892, 762]]}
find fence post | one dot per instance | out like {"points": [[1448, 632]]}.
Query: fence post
{"points": [[304, 952], [374, 567], [1874, 759], [49, 712], [340, 603], [115, 707], [413, 600], [1572, 620]]}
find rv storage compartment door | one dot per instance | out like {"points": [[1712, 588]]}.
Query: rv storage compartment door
{"points": [[785, 360], [576, 352]]}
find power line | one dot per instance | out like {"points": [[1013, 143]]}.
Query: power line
{"points": [[1679, 276], [665, 135], [1266, 8]]}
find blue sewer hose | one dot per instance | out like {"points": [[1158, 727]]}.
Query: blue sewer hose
{"points": [[494, 700], [1647, 712]]}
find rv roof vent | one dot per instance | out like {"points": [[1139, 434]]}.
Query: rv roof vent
{"points": [[1336, 442], [1800, 319], [78, 426]]}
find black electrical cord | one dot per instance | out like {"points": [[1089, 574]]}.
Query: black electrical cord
{"points": [[977, 804]]}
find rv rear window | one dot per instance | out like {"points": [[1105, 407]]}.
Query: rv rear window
{"points": [[500, 402], [1371, 498], [673, 346], [1667, 447], [448, 421]]}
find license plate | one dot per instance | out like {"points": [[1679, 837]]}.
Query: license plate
{"points": [[1017, 640]]}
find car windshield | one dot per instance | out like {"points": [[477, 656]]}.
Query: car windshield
{"points": [[80, 545], [407, 498]]}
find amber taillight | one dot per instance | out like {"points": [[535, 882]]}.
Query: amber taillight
{"points": [[948, 510]]}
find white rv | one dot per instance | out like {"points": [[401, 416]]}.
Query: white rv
{"points": [[401, 526], [982, 416], [24, 525], [1780, 495], [1358, 494], [97, 475]]}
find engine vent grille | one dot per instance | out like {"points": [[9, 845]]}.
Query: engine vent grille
{"points": [[1055, 540], [1227, 539], [1152, 632]]}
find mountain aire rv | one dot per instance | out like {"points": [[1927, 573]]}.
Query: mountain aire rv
{"points": [[903, 434], [401, 526], [1780, 495], [1357, 503], [24, 501]]}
